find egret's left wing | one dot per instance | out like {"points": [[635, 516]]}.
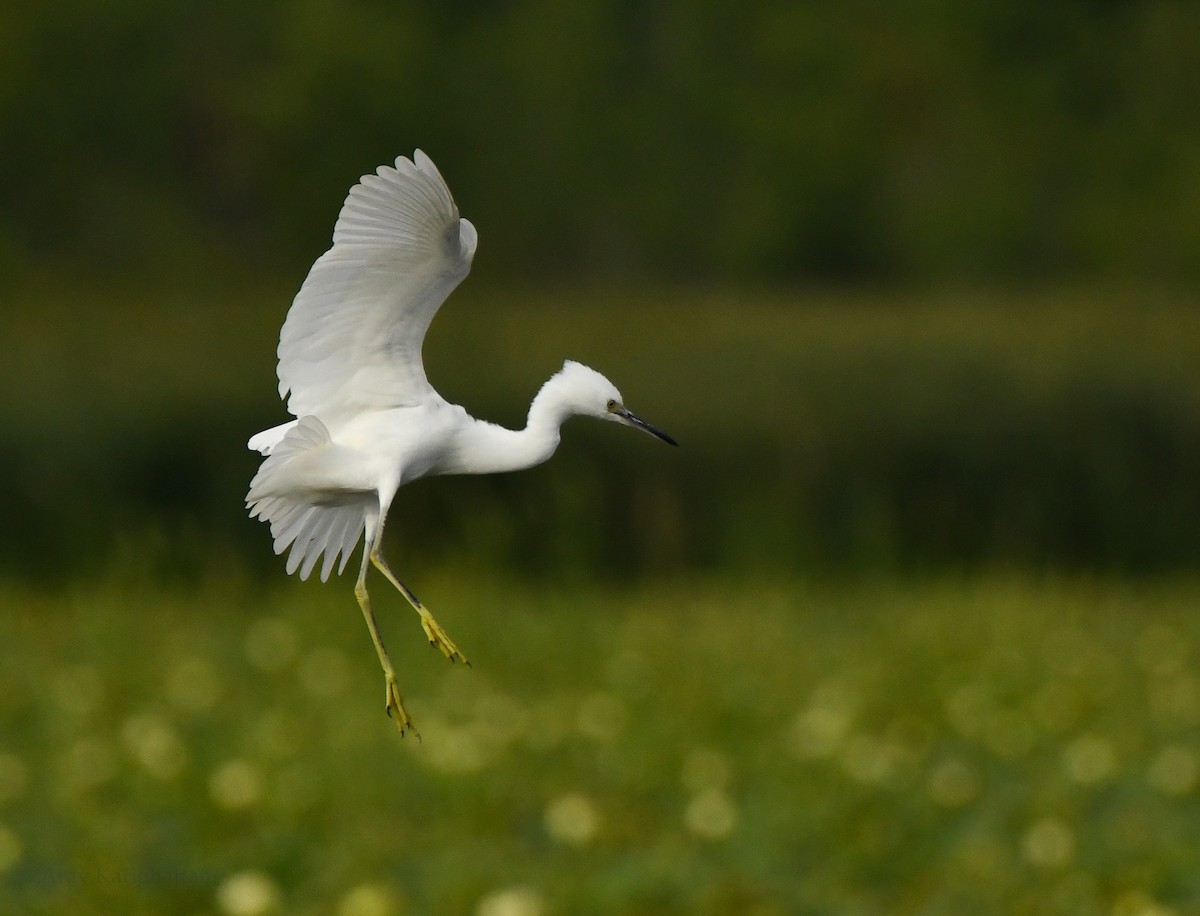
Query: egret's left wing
{"points": [[352, 338]]}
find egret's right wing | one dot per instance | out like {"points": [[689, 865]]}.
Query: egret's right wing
{"points": [[352, 338]]}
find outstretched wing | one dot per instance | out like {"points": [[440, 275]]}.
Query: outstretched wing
{"points": [[352, 338]]}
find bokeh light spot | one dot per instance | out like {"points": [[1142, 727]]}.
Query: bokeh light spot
{"points": [[602, 717], [1048, 843], [1090, 759], [450, 748], [236, 784], [953, 783], [369, 900], [154, 743], [572, 819], [711, 814], [511, 901], [249, 893], [819, 731]]}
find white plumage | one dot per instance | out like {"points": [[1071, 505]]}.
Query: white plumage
{"points": [[352, 339], [367, 419]]}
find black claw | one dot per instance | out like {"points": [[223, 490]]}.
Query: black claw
{"points": [[388, 710]]}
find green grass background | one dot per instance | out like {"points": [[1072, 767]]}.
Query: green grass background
{"points": [[699, 745]]}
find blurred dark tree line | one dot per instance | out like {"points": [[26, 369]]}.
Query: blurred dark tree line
{"points": [[822, 433], [684, 139]]}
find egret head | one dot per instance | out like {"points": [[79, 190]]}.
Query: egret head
{"points": [[585, 391]]}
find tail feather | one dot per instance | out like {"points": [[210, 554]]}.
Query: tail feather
{"points": [[310, 530], [340, 533], [287, 527]]}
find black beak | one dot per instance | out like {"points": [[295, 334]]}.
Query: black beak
{"points": [[637, 422]]}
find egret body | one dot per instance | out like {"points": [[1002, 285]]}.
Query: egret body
{"points": [[367, 421]]}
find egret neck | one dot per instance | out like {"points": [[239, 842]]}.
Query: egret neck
{"points": [[488, 448]]}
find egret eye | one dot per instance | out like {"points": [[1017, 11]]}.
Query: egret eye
{"points": [[611, 405]]}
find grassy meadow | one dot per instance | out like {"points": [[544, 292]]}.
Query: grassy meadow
{"points": [[907, 624], [995, 745], [688, 746]]}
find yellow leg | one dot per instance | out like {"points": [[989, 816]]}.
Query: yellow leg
{"points": [[395, 703], [433, 630]]}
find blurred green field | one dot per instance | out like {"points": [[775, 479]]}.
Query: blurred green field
{"points": [[989, 745], [1048, 429]]}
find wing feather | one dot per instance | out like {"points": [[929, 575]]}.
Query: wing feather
{"points": [[352, 339]]}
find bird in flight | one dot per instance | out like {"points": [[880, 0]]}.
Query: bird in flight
{"points": [[367, 421]]}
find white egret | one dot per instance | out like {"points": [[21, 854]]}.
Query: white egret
{"points": [[367, 419]]}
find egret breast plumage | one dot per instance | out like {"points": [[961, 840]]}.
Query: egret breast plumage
{"points": [[366, 419]]}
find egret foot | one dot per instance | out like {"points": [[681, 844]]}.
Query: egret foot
{"points": [[433, 629], [396, 710], [437, 637]]}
